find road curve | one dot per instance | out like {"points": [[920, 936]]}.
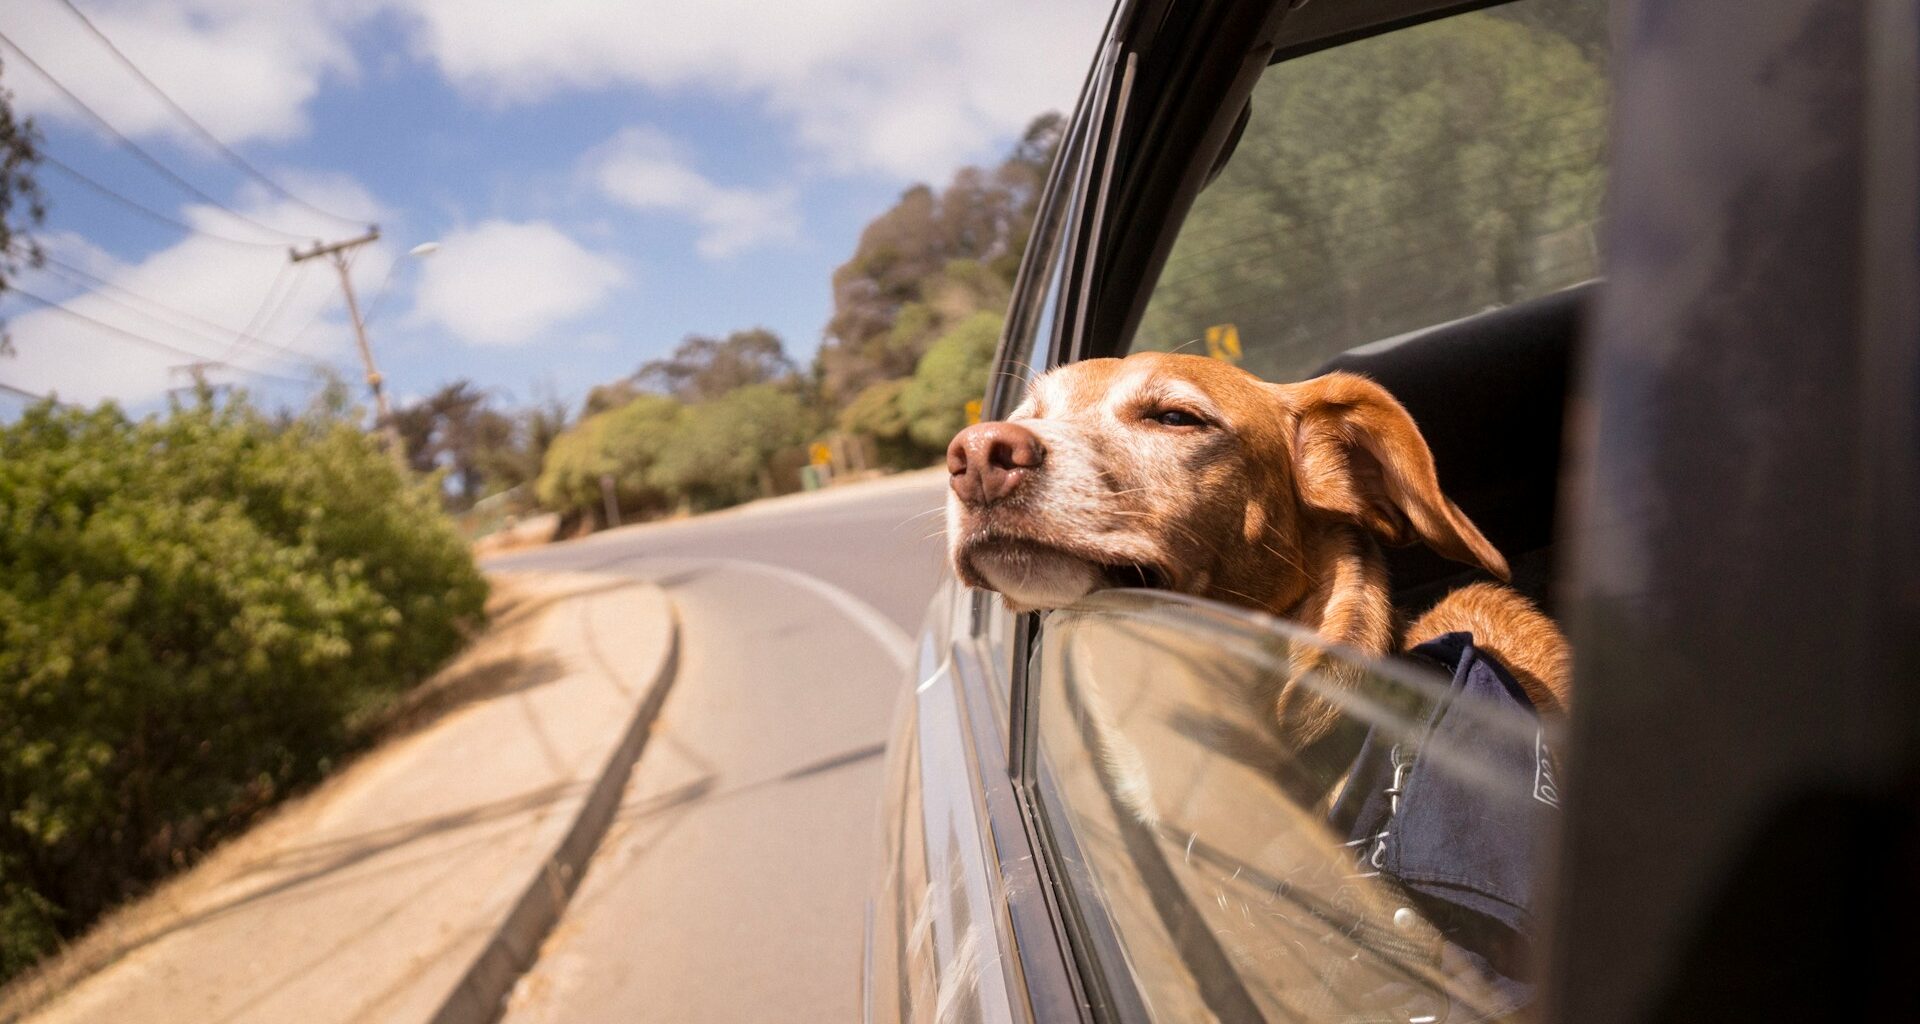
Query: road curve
{"points": [[732, 882]]}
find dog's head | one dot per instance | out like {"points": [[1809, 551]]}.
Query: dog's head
{"points": [[1184, 473]]}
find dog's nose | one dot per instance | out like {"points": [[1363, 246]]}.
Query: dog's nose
{"points": [[989, 460]]}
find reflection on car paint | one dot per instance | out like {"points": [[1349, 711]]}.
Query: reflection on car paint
{"points": [[1232, 893]]}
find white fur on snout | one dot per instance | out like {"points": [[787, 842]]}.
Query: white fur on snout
{"points": [[1032, 580]]}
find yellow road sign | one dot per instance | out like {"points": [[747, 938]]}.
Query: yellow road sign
{"points": [[1223, 343], [973, 412], [820, 454]]}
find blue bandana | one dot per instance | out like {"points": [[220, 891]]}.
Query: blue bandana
{"points": [[1464, 849]]}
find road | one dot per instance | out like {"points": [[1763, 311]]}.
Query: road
{"points": [[732, 883]]}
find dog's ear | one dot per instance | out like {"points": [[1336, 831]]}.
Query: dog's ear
{"points": [[1359, 457]]}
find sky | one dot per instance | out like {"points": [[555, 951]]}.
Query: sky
{"points": [[602, 177]]}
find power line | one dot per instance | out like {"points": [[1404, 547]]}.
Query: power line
{"points": [[143, 339], [205, 134], [258, 320], [35, 395], [81, 277], [255, 340], [132, 147], [147, 211]]}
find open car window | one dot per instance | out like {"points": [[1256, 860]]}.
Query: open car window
{"points": [[1421, 206], [1394, 183], [1387, 873]]}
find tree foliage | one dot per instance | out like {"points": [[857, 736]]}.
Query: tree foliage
{"points": [[622, 443], [482, 448], [930, 261], [953, 373], [22, 205], [717, 454], [1472, 142], [198, 611], [702, 368], [875, 414]]}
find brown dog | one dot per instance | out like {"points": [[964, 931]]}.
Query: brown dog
{"points": [[1184, 473]]}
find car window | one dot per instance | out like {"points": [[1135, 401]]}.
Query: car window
{"points": [[1394, 183], [1380, 188], [1383, 874], [1027, 349]]}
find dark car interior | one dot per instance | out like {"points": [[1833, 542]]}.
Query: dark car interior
{"points": [[1489, 393]]}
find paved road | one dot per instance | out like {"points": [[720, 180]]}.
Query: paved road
{"points": [[732, 883]]}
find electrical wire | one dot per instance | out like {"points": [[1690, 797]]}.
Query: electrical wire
{"points": [[260, 319], [132, 147], [89, 279], [36, 396], [102, 290], [142, 339], [205, 134], [141, 208]]}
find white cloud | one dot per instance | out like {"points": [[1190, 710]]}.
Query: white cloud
{"points": [[643, 169], [245, 70], [911, 88], [502, 283], [207, 292], [907, 88]]}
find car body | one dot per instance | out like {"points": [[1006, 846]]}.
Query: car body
{"points": [[1697, 442]]}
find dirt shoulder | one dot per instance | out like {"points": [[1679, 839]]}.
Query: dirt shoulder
{"points": [[468, 773]]}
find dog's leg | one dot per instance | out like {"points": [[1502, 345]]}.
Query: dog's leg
{"points": [[1349, 605]]}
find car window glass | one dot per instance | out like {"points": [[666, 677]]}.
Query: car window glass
{"points": [[1029, 344], [1385, 873], [1391, 184]]}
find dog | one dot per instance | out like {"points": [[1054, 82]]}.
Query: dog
{"points": [[1188, 474]]}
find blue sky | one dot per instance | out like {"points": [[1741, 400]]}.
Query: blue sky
{"points": [[604, 177]]}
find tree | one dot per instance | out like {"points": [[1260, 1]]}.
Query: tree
{"points": [[718, 453], [931, 261], [875, 414], [954, 372], [22, 205], [452, 429], [200, 611], [1476, 141], [623, 443], [702, 368], [516, 460]]}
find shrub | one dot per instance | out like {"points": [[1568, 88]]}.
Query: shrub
{"points": [[623, 442], [875, 414], [198, 613], [719, 452], [952, 373]]}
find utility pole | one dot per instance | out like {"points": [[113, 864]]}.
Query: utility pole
{"points": [[338, 252], [198, 371]]}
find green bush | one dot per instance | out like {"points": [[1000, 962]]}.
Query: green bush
{"points": [[719, 452], [198, 612], [952, 373], [875, 414], [623, 442]]}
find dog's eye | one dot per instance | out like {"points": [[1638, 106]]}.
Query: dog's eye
{"points": [[1177, 418]]}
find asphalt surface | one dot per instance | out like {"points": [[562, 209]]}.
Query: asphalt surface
{"points": [[732, 883]]}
